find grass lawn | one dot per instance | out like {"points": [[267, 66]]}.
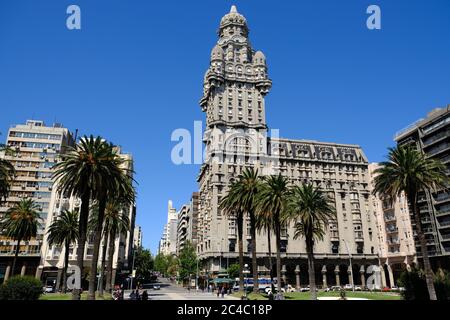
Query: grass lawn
{"points": [[306, 295], [68, 296]]}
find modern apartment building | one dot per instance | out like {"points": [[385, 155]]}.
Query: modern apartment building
{"points": [[52, 257], [396, 247], [183, 227], [35, 148], [236, 137], [168, 242], [187, 223], [431, 136]]}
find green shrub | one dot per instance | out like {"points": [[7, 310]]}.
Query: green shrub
{"points": [[416, 286], [21, 288]]}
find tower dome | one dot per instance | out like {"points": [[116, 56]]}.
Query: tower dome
{"points": [[259, 58], [233, 18], [217, 53]]}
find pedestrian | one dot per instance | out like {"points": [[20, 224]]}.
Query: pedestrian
{"points": [[218, 292], [138, 296], [223, 292], [144, 295], [270, 295], [133, 295]]}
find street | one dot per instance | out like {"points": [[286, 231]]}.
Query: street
{"points": [[170, 291]]}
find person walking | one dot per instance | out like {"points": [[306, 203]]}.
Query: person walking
{"points": [[144, 295], [218, 292], [138, 296], [223, 292], [133, 295]]}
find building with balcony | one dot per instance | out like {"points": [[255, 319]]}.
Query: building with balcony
{"points": [[34, 149], [52, 257], [187, 223], [396, 247], [431, 136], [169, 238], [137, 239]]}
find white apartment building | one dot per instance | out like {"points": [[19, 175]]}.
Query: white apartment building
{"points": [[52, 257], [35, 148], [396, 247]]}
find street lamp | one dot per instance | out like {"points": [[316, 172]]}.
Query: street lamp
{"points": [[245, 272], [351, 266], [132, 268]]}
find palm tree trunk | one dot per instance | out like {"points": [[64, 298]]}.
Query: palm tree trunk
{"points": [[15, 257], [241, 252], [109, 279], [96, 249], [424, 250], [270, 257], [66, 264], [311, 271], [278, 238], [83, 221], [102, 265], [254, 258]]}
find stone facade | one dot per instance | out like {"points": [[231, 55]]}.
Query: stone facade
{"points": [[236, 137]]}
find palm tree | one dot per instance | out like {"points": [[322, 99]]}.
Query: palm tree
{"points": [[311, 210], [6, 175], [410, 171], [65, 231], [265, 223], [246, 194], [21, 223], [233, 209], [117, 222], [116, 182], [83, 170], [272, 202]]}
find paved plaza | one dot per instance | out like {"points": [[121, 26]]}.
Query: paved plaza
{"points": [[171, 291]]}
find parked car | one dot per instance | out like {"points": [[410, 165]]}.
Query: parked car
{"points": [[156, 287], [348, 287], [358, 288], [333, 288], [304, 289], [49, 289]]}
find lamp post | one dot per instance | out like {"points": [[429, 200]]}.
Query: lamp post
{"points": [[350, 261], [245, 272], [132, 268], [196, 282]]}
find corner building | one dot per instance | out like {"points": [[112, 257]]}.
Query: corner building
{"points": [[236, 137]]}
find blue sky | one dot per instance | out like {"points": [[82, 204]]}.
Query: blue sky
{"points": [[134, 73]]}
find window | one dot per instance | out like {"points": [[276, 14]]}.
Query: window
{"points": [[232, 245]]}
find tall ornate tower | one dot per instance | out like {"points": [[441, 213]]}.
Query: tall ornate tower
{"points": [[234, 88]]}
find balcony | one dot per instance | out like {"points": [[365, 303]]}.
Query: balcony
{"points": [[444, 224], [389, 218], [438, 137], [438, 149], [445, 237]]}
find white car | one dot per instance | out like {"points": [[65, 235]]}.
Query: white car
{"points": [[348, 287], [48, 289]]}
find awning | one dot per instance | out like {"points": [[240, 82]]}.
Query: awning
{"points": [[223, 280]]}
